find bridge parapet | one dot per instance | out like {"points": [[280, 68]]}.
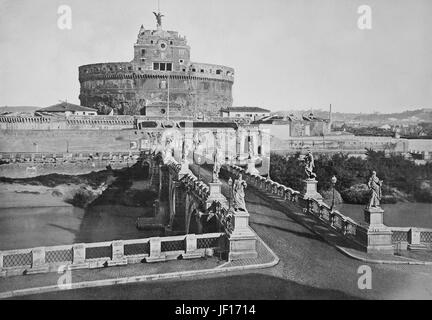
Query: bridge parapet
{"points": [[401, 238], [234, 223], [109, 253]]}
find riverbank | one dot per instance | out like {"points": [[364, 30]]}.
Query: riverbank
{"points": [[41, 211], [53, 189]]}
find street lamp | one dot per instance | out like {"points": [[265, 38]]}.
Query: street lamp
{"points": [[333, 181]]}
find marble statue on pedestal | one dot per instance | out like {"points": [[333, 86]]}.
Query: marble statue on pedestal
{"points": [[251, 148], [217, 160], [168, 150], [375, 185], [309, 166], [239, 194], [186, 148], [156, 143]]}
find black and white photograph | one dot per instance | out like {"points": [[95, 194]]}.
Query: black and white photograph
{"points": [[220, 152]]}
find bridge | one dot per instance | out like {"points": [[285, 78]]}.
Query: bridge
{"points": [[202, 223]]}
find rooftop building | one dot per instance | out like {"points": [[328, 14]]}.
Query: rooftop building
{"points": [[68, 109], [253, 113]]}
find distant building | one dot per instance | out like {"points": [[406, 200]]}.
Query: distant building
{"points": [[385, 127], [292, 126], [68, 109], [253, 113]]}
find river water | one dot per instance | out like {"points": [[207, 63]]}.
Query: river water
{"points": [[31, 227], [404, 214]]}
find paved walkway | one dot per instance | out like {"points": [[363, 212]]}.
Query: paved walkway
{"points": [[85, 278], [336, 239]]}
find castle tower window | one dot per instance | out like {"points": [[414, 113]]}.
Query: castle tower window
{"points": [[218, 71], [169, 67], [155, 66], [171, 42], [162, 67], [151, 41], [202, 70], [143, 52], [181, 61], [193, 70]]}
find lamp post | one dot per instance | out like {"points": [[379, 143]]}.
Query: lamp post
{"points": [[333, 181]]}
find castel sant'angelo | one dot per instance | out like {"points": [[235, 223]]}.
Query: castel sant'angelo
{"points": [[160, 74]]}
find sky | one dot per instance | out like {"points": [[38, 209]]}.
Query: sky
{"points": [[287, 54]]}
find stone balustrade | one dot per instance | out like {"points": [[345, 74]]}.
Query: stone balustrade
{"points": [[105, 254], [402, 238], [411, 238], [47, 157]]}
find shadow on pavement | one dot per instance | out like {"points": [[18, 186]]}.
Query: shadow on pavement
{"points": [[248, 286]]}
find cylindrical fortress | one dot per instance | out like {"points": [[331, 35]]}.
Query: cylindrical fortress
{"points": [[161, 65]]}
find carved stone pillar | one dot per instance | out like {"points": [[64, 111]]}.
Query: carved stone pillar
{"points": [[38, 261], [155, 251]]}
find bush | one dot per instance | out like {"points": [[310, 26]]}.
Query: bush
{"points": [[401, 176], [80, 199]]}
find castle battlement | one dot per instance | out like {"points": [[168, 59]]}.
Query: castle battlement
{"points": [[129, 70]]}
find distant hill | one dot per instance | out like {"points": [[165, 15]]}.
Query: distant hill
{"points": [[419, 115], [18, 109]]}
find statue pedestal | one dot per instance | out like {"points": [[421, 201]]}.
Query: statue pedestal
{"points": [[242, 240], [374, 216], [379, 237], [310, 190], [215, 193], [251, 167]]}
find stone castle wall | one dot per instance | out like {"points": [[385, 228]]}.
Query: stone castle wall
{"points": [[67, 123], [128, 88], [59, 141]]}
